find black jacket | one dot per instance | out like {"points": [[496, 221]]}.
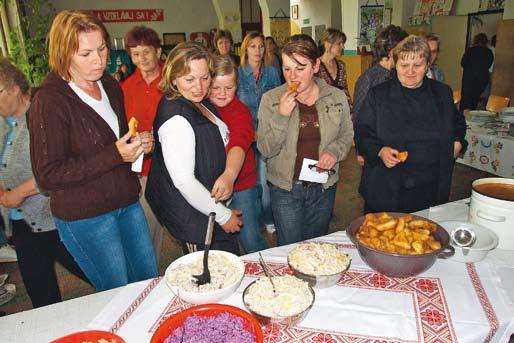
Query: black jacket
{"points": [[381, 123], [181, 219]]}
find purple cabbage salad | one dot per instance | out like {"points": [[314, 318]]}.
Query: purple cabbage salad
{"points": [[224, 327]]}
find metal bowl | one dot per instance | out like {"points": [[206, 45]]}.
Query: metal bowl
{"points": [[278, 321], [320, 281], [398, 265]]}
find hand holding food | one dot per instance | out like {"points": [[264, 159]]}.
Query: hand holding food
{"points": [[388, 156], [403, 155], [287, 103], [129, 151], [402, 235]]}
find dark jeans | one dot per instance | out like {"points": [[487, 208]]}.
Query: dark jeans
{"points": [[230, 245], [303, 213], [37, 253]]}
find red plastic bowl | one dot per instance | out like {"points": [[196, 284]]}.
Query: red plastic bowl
{"points": [[208, 310], [89, 336]]}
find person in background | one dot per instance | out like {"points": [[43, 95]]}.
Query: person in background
{"points": [[255, 77], [272, 53], [380, 70], [415, 114], [190, 155], [241, 170], [141, 97], [475, 63], [24, 208], [331, 69], [223, 44], [310, 121], [81, 150], [433, 71]]}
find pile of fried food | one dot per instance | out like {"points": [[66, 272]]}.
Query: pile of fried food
{"points": [[401, 235]]}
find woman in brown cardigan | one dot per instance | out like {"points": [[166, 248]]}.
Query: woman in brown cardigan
{"points": [[81, 153]]}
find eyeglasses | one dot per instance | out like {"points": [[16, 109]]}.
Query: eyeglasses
{"points": [[314, 167]]}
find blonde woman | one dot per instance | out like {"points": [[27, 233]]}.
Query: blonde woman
{"points": [[190, 155], [331, 69]]}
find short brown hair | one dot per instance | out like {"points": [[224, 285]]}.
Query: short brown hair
{"points": [[244, 45], [10, 75], [330, 36], [223, 65], [222, 34], [63, 38], [412, 44], [178, 64], [386, 40], [141, 35], [302, 45]]}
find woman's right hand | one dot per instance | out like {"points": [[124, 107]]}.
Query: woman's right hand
{"points": [[235, 222], [389, 156], [287, 103], [129, 151]]}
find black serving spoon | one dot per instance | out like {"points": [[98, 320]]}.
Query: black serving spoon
{"points": [[205, 277]]}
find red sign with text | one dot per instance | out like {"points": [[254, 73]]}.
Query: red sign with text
{"points": [[129, 15]]}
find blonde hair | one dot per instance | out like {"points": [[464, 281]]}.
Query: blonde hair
{"points": [[246, 42], [412, 45], [178, 64], [223, 65], [63, 38], [330, 36]]}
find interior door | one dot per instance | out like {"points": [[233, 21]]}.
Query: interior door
{"points": [[503, 70], [452, 32]]}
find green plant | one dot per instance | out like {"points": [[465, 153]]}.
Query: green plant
{"points": [[27, 48]]}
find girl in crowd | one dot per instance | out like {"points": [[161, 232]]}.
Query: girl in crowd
{"points": [[223, 44], [240, 172], [256, 77], [81, 152], [331, 69], [308, 120], [190, 155], [415, 114]]}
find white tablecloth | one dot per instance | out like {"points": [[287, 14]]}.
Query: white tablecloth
{"points": [[451, 302], [489, 150]]}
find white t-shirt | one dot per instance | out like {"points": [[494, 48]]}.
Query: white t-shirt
{"points": [[178, 148], [102, 107]]}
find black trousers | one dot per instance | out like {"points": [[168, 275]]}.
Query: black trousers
{"points": [[230, 245], [37, 253]]}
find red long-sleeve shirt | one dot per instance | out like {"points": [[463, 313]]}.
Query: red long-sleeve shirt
{"points": [[238, 118]]}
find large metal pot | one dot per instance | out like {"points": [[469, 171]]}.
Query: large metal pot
{"points": [[493, 213], [395, 264]]}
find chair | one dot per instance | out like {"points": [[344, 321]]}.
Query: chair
{"points": [[495, 103], [457, 96]]}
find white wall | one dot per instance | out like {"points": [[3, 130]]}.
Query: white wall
{"points": [[317, 11], [179, 15]]}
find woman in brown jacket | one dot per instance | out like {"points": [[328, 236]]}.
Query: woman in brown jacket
{"points": [[81, 153]]}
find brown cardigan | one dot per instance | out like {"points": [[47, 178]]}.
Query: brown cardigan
{"points": [[73, 152]]}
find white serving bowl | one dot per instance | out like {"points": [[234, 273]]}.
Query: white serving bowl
{"points": [[486, 240], [205, 297]]}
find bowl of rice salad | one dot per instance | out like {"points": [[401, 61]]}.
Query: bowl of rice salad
{"points": [[320, 264], [227, 271], [209, 323], [287, 306]]}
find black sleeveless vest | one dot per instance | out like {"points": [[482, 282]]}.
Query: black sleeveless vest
{"points": [[182, 220]]}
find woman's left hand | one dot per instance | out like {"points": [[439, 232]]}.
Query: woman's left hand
{"points": [[147, 141], [11, 199], [457, 147], [223, 188], [327, 160]]}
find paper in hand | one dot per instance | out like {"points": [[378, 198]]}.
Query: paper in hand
{"points": [[306, 174]]}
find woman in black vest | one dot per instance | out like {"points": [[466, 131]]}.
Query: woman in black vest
{"points": [[190, 154]]}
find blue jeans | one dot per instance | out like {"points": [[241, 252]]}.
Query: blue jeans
{"points": [[250, 236], [112, 249], [266, 216], [303, 213]]}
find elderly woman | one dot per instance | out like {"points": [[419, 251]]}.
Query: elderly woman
{"points": [[409, 113], [24, 208], [256, 76], [331, 69], [223, 44], [141, 96], [303, 119], [190, 155], [81, 152]]}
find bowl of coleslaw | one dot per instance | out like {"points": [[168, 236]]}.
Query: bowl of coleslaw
{"points": [[320, 264], [286, 306], [227, 271]]}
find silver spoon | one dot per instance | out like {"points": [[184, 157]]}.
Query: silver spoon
{"points": [[268, 274], [464, 238]]}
